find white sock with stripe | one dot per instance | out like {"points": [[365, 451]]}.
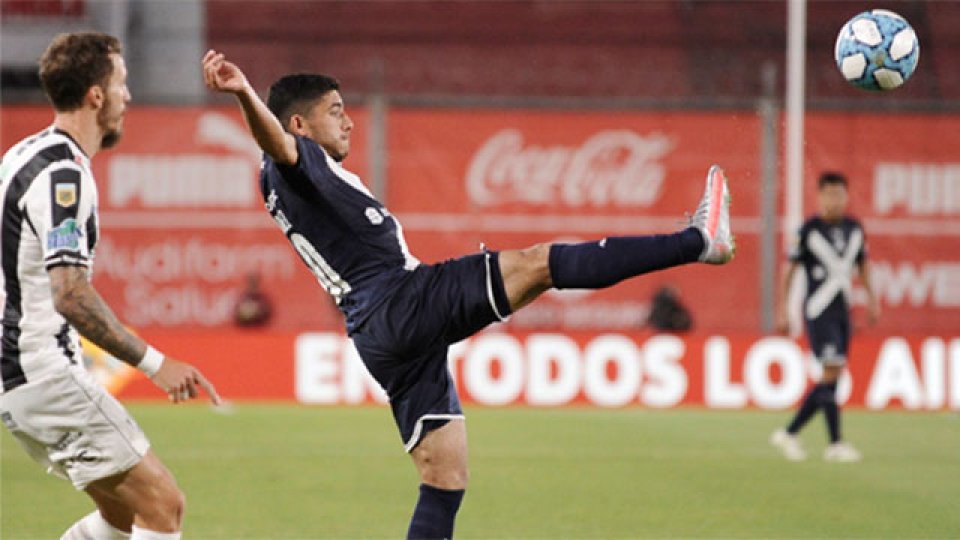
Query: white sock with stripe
{"points": [[146, 534], [94, 527]]}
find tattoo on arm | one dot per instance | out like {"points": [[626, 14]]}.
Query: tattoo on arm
{"points": [[82, 306]]}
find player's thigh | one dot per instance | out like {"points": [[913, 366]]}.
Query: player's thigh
{"points": [[441, 457], [526, 274], [73, 427]]}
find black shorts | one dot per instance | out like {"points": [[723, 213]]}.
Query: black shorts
{"points": [[404, 343], [829, 338]]}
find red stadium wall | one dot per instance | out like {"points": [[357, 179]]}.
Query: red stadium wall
{"points": [[183, 221], [183, 224], [598, 48], [510, 179]]}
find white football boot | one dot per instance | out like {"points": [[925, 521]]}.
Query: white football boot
{"points": [[712, 219], [841, 452], [789, 445]]}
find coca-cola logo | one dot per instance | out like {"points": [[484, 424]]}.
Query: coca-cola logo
{"points": [[610, 168]]}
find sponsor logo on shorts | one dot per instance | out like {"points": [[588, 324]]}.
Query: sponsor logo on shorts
{"points": [[374, 215], [66, 440]]}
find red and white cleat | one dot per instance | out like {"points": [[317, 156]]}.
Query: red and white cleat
{"points": [[712, 219]]}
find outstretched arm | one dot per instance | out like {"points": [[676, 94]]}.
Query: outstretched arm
{"points": [[81, 305], [873, 303], [224, 76], [783, 294]]}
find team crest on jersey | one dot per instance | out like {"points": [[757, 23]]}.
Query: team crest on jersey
{"points": [[67, 235], [65, 194], [374, 215]]}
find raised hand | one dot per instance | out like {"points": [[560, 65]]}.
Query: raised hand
{"points": [[221, 75]]}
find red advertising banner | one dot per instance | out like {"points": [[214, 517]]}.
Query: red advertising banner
{"points": [[904, 175], [183, 223], [722, 371], [510, 179]]}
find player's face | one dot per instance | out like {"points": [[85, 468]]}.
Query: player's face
{"points": [[329, 125], [116, 97], [833, 201]]}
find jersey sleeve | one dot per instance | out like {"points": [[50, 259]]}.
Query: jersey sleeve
{"points": [[311, 166], [862, 253], [58, 205]]}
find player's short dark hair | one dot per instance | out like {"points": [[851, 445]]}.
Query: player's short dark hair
{"points": [[295, 94], [73, 63], [831, 178]]}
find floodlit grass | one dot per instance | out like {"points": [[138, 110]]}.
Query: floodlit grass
{"points": [[286, 471]]}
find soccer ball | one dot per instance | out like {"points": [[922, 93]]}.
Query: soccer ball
{"points": [[877, 50]]}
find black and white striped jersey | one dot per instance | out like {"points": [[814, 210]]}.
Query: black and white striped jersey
{"points": [[49, 219], [351, 242], [830, 252]]}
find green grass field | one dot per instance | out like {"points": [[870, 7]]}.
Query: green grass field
{"points": [[285, 471]]}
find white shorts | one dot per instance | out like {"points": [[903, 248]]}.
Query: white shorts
{"points": [[72, 426]]}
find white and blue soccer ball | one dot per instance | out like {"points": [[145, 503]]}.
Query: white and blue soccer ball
{"points": [[877, 50]]}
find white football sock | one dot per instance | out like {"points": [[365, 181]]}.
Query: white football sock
{"points": [[93, 527], [147, 534]]}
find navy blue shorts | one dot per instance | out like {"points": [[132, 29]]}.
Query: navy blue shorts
{"points": [[404, 343], [829, 339]]}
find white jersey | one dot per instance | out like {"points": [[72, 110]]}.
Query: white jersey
{"points": [[49, 219]]}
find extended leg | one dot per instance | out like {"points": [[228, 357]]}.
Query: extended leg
{"points": [[838, 449], [592, 265]]}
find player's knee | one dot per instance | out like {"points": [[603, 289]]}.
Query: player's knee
{"points": [[162, 510], [445, 470], [447, 477], [462, 477], [178, 505], [170, 503], [536, 263], [118, 516]]}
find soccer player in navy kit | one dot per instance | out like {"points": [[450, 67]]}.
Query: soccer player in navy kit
{"points": [[401, 314], [829, 247]]}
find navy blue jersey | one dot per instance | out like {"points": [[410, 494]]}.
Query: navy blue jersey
{"points": [[829, 253], [350, 242]]}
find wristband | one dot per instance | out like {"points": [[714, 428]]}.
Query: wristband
{"points": [[151, 362]]}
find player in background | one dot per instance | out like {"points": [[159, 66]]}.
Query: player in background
{"points": [[830, 246], [64, 419], [403, 315]]}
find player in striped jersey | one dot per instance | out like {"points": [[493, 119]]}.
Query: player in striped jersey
{"points": [[403, 315], [53, 407]]}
